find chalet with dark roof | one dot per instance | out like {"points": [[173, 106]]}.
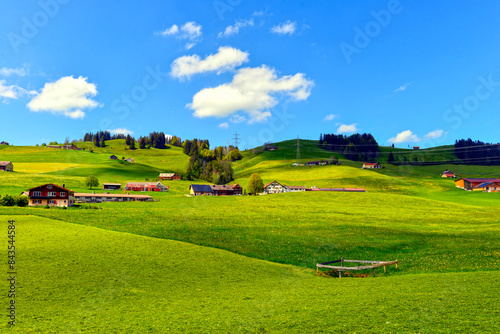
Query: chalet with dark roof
{"points": [[200, 189], [169, 176]]}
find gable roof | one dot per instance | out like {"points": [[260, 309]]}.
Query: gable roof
{"points": [[4, 163], [53, 185], [370, 163], [272, 183], [486, 184], [205, 188], [480, 180], [167, 174]]}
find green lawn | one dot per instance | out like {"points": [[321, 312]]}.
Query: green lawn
{"points": [[247, 263], [124, 283]]}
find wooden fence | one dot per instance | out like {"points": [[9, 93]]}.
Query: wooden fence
{"points": [[341, 268]]}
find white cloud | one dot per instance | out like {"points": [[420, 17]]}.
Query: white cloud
{"points": [[13, 91], [190, 31], [402, 88], [286, 28], [173, 30], [224, 125], [6, 72], [237, 119], [226, 59], [67, 96], [121, 131], [235, 29], [403, 137], [347, 128], [252, 91], [434, 134], [330, 117]]}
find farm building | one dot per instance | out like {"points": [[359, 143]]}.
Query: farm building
{"points": [[313, 163], [416, 147], [146, 186], [371, 165], [111, 186], [6, 166], [4, 143], [489, 187], [113, 157], [50, 194], [227, 190], [99, 198], [448, 174], [275, 187], [169, 176], [237, 189], [296, 188], [200, 189], [470, 183], [129, 160]]}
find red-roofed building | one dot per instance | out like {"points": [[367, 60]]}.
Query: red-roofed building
{"points": [[448, 174], [146, 186], [489, 187], [371, 165], [50, 194]]}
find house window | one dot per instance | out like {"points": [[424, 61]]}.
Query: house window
{"points": [[37, 193], [52, 194], [37, 201], [52, 202], [62, 194], [49, 186]]}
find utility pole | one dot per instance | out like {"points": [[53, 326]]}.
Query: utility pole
{"points": [[236, 139]]}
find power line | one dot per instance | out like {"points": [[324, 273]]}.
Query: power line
{"points": [[236, 139]]}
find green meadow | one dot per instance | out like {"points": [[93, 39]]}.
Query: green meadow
{"points": [[248, 263]]}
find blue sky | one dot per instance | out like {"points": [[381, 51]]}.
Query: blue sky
{"points": [[410, 73]]}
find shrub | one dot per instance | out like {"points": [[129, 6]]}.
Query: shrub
{"points": [[22, 200], [8, 200]]}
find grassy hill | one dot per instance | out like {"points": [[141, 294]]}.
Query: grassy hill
{"points": [[246, 263], [109, 282]]}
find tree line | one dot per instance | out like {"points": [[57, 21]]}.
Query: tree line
{"points": [[357, 147], [477, 152], [210, 165]]}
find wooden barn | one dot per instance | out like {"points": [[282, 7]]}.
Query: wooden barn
{"points": [[237, 189], [111, 186], [169, 176], [470, 183], [50, 194], [371, 165], [448, 174], [6, 166], [146, 186]]}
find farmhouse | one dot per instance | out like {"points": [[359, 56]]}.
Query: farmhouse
{"points": [[129, 160], [99, 198], [50, 194], [470, 183], [146, 186], [274, 188], [448, 174], [169, 176], [371, 165], [200, 189], [489, 187], [4, 143], [113, 157], [227, 190], [111, 186], [237, 189], [6, 166]]}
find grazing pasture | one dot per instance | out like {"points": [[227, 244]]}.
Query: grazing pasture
{"points": [[247, 263]]}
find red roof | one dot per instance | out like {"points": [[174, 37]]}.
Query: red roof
{"points": [[54, 185], [371, 163], [481, 180]]}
